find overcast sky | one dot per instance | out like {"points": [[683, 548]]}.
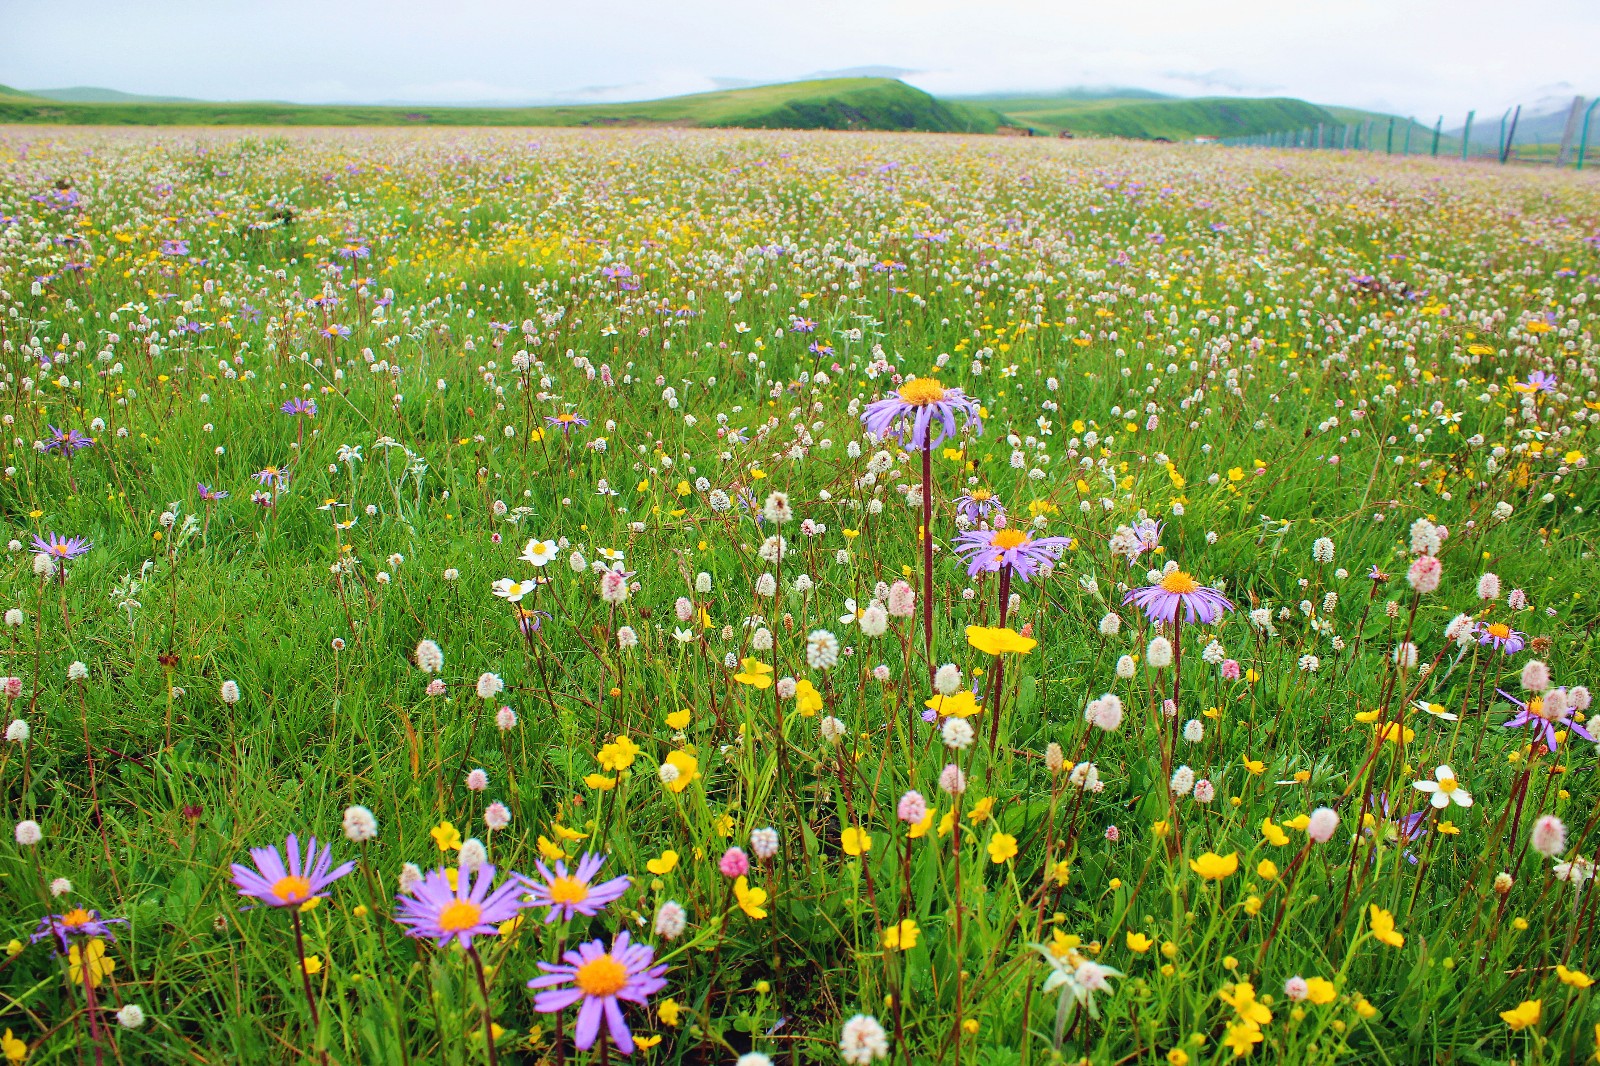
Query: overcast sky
{"points": [[1419, 57]]}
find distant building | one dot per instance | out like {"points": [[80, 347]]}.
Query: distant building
{"points": [[1205, 140]]}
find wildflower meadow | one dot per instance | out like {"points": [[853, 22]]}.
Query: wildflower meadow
{"points": [[533, 596]]}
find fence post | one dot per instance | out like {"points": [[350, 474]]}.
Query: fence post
{"points": [[1583, 142], [1569, 131], [1438, 128], [1318, 142], [1366, 138], [1388, 142], [1505, 149], [1410, 122], [1466, 135]]}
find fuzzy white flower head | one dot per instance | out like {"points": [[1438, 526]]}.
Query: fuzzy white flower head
{"points": [[1111, 624], [77, 671], [902, 599], [832, 729], [577, 562], [429, 657], [753, 1058], [44, 567], [1296, 988], [1204, 791], [761, 639], [1182, 782], [489, 685], [874, 621], [766, 586], [1548, 836], [1426, 538], [131, 1016], [947, 679], [229, 692], [473, 855], [60, 887], [668, 773], [410, 877], [777, 510], [957, 734], [505, 719], [496, 816], [822, 650], [702, 583], [478, 780], [951, 780], [1125, 667], [670, 920], [1193, 731], [1322, 550], [1323, 822], [627, 638], [1159, 655], [764, 842], [29, 833], [1489, 587], [17, 732], [1460, 630], [14, 617], [1535, 676], [862, 1040], [360, 824]]}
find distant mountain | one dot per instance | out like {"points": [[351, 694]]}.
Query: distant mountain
{"points": [[833, 104], [1541, 123], [6, 90], [89, 94]]}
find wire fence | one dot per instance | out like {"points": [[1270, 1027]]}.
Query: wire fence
{"points": [[1551, 138]]}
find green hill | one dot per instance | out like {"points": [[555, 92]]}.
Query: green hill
{"points": [[1142, 118], [835, 104], [8, 91], [90, 94]]}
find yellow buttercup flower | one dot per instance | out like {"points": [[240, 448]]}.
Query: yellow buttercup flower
{"points": [[856, 841], [962, 705], [1272, 834], [668, 1010], [1575, 978], [1002, 846], [901, 936], [1523, 1014], [600, 782], [663, 865], [619, 754], [1214, 867], [754, 673], [750, 899], [679, 719], [446, 836], [807, 700], [920, 827], [1320, 990], [1138, 943], [999, 641], [1383, 927], [15, 1050], [89, 959], [1242, 998], [687, 767], [981, 810]]}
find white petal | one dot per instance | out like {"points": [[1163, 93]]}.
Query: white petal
{"points": [[1425, 786], [1444, 772], [1463, 799], [1440, 800]]}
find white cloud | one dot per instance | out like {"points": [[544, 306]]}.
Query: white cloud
{"points": [[1416, 56]]}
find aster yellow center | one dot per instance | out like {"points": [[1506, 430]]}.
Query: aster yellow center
{"points": [[1180, 583], [75, 918], [1499, 630], [1447, 785], [568, 890], [1536, 706], [459, 916], [604, 976], [292, 889], [981, 494], [1006, 539], [566, 418], [922, 391]]}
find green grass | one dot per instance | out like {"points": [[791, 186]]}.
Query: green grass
{"points": [[1259, 350], [837, 103]]}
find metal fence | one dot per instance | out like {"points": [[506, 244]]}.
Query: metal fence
{"points": [[1392, 135]]}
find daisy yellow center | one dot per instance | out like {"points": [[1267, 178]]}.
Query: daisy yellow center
{"points": [[921, 392], [1006, 539], [566, 418], [1536, 706], [604, 976], [460, 916], [1499, 630], [568, 890], [1447, 785], [75, 918], [1180, 583], [981, 494], [292, 889]]}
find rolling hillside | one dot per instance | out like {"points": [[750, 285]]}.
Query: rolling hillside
{"points": [[834, 104]]}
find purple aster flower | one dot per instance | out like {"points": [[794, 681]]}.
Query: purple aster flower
{"points": [[61, 549], [987, 551], [978, 505], [600, 979], [920, 401], [77, 922], [1402, 832], [802, 325], [208, 493], [1160, 602], [1538, 381], [175, 247], [269, 475], [440, 911], [66, 441], [567, 894], [1542, 723], [280, 885], [1502, 636], [334, 332], [567, 421], [297, 406]]}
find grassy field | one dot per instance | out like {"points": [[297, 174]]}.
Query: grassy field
{"points": [[478, 501], [835, 104]]}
